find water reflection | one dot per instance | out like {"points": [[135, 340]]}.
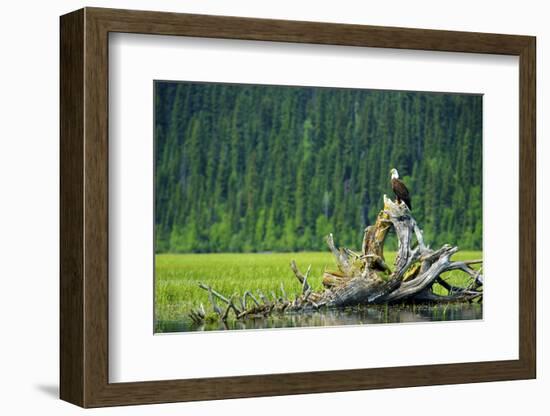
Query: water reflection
{"points": [[336, 317]]}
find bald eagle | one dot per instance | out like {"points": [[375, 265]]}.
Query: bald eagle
{"points": [[399, 189]]}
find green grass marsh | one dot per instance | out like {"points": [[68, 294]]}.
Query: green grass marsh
{"points": [[177, 276]]}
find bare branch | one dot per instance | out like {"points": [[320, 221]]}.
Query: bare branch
{"points": [[218, 295]]}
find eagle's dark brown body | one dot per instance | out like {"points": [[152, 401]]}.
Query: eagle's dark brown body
{"points": [[401, 192]]}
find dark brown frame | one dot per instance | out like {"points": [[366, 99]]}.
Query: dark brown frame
{"points": [[84, 208]]}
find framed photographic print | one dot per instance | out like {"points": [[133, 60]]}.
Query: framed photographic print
{"points": [[255, 207]]}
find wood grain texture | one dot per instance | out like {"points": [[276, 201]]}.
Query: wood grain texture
{"points": [[527, 208], [96, 209], [84, 207], [226, 27], [71, 213]]}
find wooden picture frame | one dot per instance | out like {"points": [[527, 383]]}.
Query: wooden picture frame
{"points": [[84, 207]]}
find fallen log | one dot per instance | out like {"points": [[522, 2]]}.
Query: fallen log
{"points": [[365, 278]]}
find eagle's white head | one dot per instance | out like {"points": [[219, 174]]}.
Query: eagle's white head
{"points": [[394, 174]]}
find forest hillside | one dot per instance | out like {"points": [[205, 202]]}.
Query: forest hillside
{"points": [[245, 168]]}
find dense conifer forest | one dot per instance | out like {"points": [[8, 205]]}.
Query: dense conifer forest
{"points": [[245, 168]]}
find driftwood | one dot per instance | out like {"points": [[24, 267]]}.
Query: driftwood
{"points": [[364, 278]]}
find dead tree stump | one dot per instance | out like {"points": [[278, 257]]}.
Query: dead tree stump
{"points": [[365, 278]]}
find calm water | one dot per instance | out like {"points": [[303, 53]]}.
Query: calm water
{"points": [[337, 317]]}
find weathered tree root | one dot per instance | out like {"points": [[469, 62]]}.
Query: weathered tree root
{"points": [[365, 278]]}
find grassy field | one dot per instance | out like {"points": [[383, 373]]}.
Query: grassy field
{"points": [[178, 276]]}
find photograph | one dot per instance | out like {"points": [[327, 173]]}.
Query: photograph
{"points": [[279, 206]]}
